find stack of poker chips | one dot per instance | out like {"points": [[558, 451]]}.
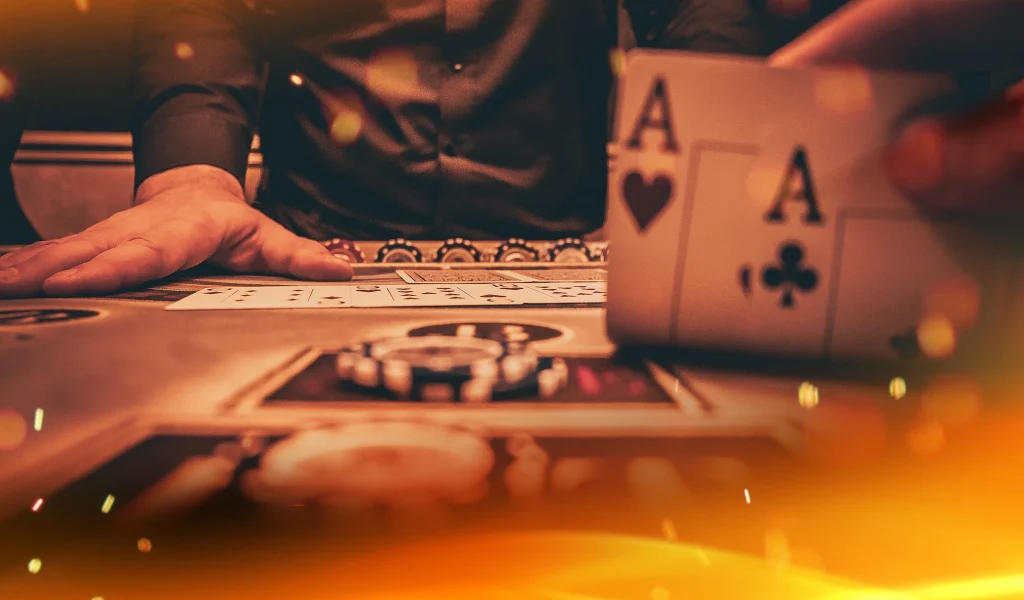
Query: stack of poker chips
{"points": [[460, 368]]}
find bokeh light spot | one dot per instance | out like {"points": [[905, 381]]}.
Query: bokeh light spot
{"points": [[926, 437], [957, 300], [746, 495], [37, 423], [897, 388], [951, 401], [108, 504], [936, 337], [346, 122], [34, 565], [37, 505], [807, 395], [296, 80], [844, 91], [572, 473], [184, 51], [13, 429], [392, 73], [82, 6], [6, 86], [144, 545]]}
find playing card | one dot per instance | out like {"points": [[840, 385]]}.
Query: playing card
{"points": [[241, 298], [455, 276], [562, 274], [331, 296], [740, 247]]}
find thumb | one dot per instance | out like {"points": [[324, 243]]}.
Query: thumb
{"points": [[973, 162], [284, 253]]}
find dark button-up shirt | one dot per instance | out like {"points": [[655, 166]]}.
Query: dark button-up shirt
{"points": [[413, 118]]}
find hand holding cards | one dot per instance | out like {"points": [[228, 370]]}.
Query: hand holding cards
{"points": [[749, 213]]}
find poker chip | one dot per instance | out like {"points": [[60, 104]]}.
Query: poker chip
{"points": [[374, 461], [345, 249], [456, 250], [516, 250], [399, 251], [569, 250], [459, 368]]}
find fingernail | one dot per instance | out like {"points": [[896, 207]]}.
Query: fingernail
{"points": [[8, 275], [917, 161]]}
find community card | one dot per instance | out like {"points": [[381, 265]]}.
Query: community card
{"points": [[456, 276], [562, 274], [727, 215]]}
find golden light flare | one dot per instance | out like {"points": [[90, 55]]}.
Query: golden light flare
{"points": [[936, 336], [6, 86], [296, 80], [144, 545], [346, 118], [392, 74], [926, 437], [82, 6], [746, 495], [184, 51], [13, 429], [844, 91], [897, 388], [34, 566], [37, 505], [807, 395], [789, 8], [958, 300], [37, 423], [951, 401], [108, 504]]}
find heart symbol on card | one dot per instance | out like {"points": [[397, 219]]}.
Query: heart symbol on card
{"points": [[646, 200]]}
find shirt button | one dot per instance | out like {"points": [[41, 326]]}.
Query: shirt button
{"points": [[457, 67]]}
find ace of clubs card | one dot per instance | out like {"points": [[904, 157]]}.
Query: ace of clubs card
{"points": [[740, 189]]}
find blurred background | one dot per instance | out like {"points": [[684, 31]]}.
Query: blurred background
{"points": [[64, 70]]}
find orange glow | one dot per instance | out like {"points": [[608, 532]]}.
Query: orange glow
{"points": [[844, 91], [957, 300], [392, 74], [654, 479], [926, 438], [952, 401], [937, 337], [13, 429], [569, 474], [845, 434], [82, 6], [184, 51], [6, 86], [144, 545]]}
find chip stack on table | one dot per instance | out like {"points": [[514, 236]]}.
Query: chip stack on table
{"points": [[459, 368]]}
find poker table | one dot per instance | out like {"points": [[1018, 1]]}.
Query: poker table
{"points": [[147, 452]]}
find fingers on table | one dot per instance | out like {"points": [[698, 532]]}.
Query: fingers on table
{"points": [[284, 253], [24, 271]]}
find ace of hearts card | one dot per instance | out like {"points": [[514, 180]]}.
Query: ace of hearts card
{"points": [[750, 213]]}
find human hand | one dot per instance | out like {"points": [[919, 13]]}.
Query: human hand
{"points": [[972, 161], [183, 217]]}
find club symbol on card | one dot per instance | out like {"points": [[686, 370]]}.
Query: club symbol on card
{"points": [[646, 200], [905, 344], [790, 274]]}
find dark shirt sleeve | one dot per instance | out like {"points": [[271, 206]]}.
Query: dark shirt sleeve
{"points": [[722, 26], [196, 85]]}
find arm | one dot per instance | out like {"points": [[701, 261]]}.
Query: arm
{"points": [[196, 86]]}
